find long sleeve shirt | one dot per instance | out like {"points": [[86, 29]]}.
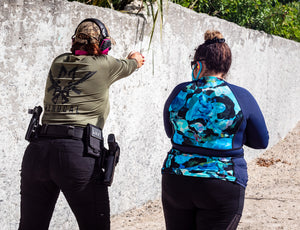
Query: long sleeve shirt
{"points": [[208, 122], [77, 88]]}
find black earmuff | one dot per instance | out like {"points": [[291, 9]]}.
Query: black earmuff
{"points": [[105, 43]]}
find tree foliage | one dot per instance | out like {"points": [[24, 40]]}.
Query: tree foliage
{"points": [[275, 17]]}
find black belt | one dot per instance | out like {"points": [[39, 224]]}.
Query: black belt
{"points": [[61, 131]]}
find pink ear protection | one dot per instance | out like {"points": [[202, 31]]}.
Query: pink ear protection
{"points": [[105, 46], [105, 43]]}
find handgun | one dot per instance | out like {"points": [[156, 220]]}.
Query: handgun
{"points": [[34, 123]]}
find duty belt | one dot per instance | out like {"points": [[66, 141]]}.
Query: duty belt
{"points": [[61, 131]]}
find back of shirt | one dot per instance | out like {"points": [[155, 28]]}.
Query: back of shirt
{"points": [[208, 122], [77, 88], [206, 114], [212, 117]]}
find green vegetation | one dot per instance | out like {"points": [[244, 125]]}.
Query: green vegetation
{"points": [[277, 17]]}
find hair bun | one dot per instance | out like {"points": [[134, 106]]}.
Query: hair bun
{"points": [[211, 34]]}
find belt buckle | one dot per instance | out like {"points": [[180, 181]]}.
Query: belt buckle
{"points": [[71, 131]]}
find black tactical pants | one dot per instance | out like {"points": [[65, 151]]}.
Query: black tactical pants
{"points": [[53, 165], [192, 203]]}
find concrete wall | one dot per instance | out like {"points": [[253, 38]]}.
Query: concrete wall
{"points": [[33, 32]]}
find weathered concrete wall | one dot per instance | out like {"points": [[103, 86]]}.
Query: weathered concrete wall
{"points": [[33, 32]]}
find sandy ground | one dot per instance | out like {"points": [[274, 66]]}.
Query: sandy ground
{"points": [[272, 195]]}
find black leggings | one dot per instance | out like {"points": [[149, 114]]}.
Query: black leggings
{"points": [[191, 203], [50, 166]]}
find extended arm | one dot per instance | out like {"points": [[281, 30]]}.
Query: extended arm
{"points": [[121, 68]]}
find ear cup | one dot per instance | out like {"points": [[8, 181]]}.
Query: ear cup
{"points": [[105, 46]]}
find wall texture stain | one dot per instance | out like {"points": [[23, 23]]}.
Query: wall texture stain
{"points": [[33, 32]]}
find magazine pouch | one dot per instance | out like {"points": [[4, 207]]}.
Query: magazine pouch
{"points": [[94, 141]]}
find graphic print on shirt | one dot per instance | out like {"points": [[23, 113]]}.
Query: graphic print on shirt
{"points": [[205, 114], [63, 91]]}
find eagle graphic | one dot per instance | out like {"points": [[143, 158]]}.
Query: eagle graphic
{"points": [[64, 91]]}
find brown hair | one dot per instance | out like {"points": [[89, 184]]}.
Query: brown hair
{"points": [[215, 52], [91, 48]]}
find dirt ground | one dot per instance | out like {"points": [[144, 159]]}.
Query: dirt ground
{"points": [[272, 195]]}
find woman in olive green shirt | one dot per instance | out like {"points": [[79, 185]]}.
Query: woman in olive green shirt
{"points": [[76, 94]]}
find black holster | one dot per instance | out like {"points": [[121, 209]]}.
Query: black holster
{"points": [[108, 158], [33, 127], [111, 160]]}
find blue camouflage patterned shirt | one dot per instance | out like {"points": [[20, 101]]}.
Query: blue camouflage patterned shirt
{"points": [[209, 121]]}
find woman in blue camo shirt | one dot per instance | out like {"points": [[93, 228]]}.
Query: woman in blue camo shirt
{"points": [[208, 120]]}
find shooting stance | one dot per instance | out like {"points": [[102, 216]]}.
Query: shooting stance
{"points": [[66, 151]]}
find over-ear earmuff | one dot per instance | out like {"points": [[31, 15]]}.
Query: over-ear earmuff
{"points": [[105, 45], [105, 42], [196, 66]]}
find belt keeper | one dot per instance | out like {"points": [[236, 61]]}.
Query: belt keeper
{"points": [[44, 129], [71, 131]]}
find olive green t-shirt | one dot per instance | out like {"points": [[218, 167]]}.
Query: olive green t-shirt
{"points": [[77, 88]]}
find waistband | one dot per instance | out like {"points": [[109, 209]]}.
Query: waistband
{"points": [[61, 131], [210, 152]]}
